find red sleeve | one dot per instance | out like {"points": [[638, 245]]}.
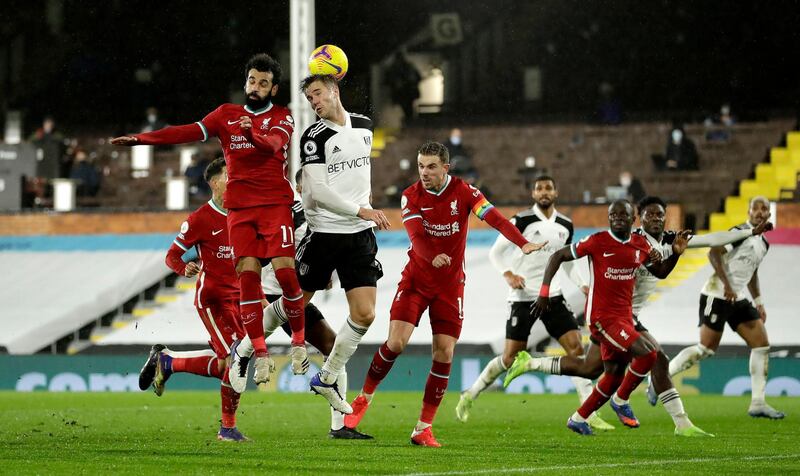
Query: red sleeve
{"points": [[412, 221], [277, 136], [505, 227], [584, 247], [173, 135], [174, 259]]}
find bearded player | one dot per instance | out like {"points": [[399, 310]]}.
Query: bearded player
{"points": [[255, 140], [435, 214]]}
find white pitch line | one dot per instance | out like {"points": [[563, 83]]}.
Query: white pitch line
{"points": [[532, 469]]}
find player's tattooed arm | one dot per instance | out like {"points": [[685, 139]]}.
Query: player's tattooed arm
{"points": [[542, 303]]}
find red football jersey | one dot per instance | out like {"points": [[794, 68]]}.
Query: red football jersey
{"points": [[445, 216], [255, 177], [207, 230], [613, 264]]}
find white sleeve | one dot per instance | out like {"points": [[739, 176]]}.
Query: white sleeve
{"points": [[314, 178], [498, 253], [719, 238], [574, 274]]}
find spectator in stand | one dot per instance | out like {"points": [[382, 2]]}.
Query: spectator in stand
{"points": [[198, 186], [718, 125], [52, 161], [86, 173], [152, 121], [681, 152], [460, 159], [633, 185]]}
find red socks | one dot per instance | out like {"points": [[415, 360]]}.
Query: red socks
{"points": [[635, 374], [250, 295], [205, 365], [292, 301], [230, 402], [434, 390], [605, 387], [382, 363]]}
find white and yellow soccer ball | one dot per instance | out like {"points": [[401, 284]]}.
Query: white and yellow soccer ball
{"points": [[328, 59]]}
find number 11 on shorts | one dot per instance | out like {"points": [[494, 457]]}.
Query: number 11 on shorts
{"points": [[288, 236]]}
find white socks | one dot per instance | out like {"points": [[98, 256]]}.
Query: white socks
{"points": [[337, 418], [583, 386], [489, 374], [344, 346], [547, 365], [688, 357], [674, 406], [759, 367]]}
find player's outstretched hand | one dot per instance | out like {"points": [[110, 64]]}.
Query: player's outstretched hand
{"points": [[729, 294], [681, 242], [191, 269], [440, 260], [529, 247], [377, 216], [514, 280], [124, 141], [540, 306], [763, 227]]}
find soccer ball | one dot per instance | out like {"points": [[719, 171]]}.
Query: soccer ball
{"points": [[328, 59]]}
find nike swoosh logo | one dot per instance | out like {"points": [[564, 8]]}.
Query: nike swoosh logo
{"points": [[426, 209], [234, 122], [606, 255], [215, 233]]}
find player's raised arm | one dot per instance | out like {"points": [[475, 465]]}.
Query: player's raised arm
{"points": [[663, 267], [270, 142], [315, 179], [169, 135], [563, 255], [488, 213]]}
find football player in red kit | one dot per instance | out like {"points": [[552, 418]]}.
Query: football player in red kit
{"points": [[435, 214], [614, 256], [255, 140], [216, 299]]}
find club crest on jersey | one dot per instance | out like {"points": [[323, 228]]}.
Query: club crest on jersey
{"points": [[265, 124], [454, 207], [403, 203], [184, 227], [562, 235]]}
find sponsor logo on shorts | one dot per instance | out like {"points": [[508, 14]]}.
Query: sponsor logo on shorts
{"points": [[303, 269]]}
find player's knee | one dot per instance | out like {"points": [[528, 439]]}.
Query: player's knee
{"points": [[362, 315], [443, 355], [591, 371], [396, 344]]}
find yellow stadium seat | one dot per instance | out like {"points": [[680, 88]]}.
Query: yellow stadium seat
{"points": [[718, 222], [786, 176], [748, 189], [379, 139], [793, 140], [794, 155], [736, 206], [765, 173], [779, 156]]}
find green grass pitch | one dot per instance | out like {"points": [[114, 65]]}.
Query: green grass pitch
{"points": [[46, 433]]}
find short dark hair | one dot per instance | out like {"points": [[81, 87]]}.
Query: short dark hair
{"points": [[298, 176], [545, 178], [266, 64], [433, 148], [214, 168], [326, 79], [650, 200]]}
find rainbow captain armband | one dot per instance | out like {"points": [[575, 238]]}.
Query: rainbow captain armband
{"points": [[481, 208], [544, 291]]}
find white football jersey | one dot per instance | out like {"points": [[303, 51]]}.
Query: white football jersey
{"points": [[536, 228], [740, 262], [345, 152]]}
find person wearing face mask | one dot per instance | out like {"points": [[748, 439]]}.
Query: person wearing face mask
{"points": [[152, 121], [681, 152], [633, 185], [460, 159]]}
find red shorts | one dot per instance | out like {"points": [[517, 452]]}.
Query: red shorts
{"points": [[261, 232], [223, 323], [446, 310], [616, 336]]}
